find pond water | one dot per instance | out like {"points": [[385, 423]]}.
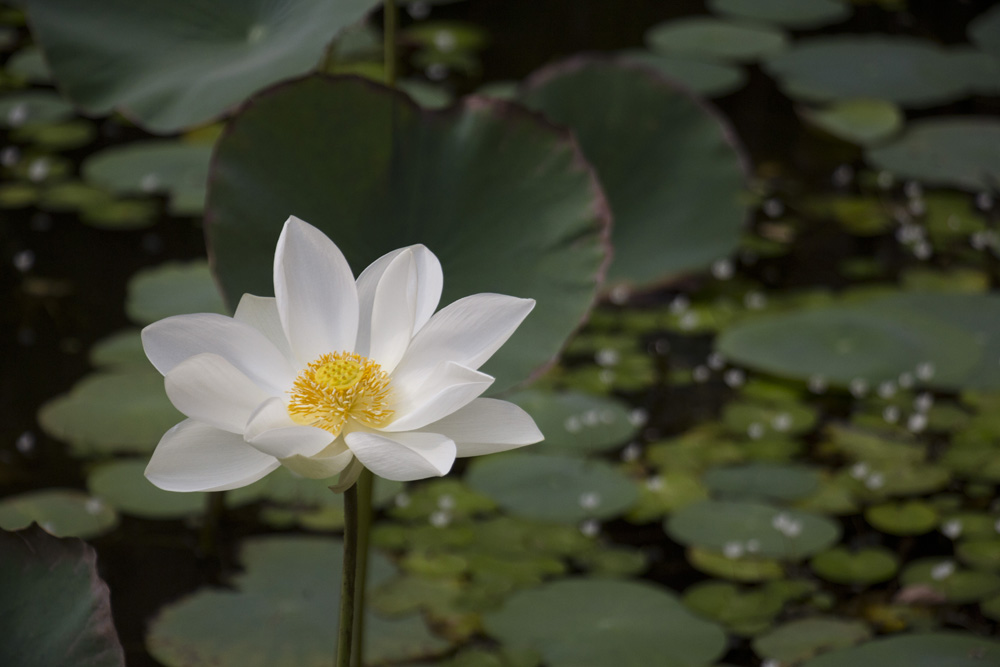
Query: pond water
{"points": [[775, 438]]}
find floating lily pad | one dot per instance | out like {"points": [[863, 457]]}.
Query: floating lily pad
{"points": [[672, 173], [916, 650], [796, 14], [980, 554], [123, 485], [905, 518], [763, 481], [119, 351], [552, 487], [804, 638], [908, 71], [733, 567], [984, 31], [155, 167], [120, 214], [575, 423], [59, 512], [56, 136], [55, 608], [752, 528], [172, 289], [595, 623], [30, 65], [522, 216], [742, 610], [760, 419], [175, 65], [716, 39], [33, 106], [289, 594], [664, 493], [950, 151], [944, 576], [865, 566], [858, 121], [706, 78], [106, 412], [72, 196]]}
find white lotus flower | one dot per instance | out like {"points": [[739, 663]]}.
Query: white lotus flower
{"points": [[330, 373]]}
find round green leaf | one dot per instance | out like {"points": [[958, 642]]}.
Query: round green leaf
{"points": [[916, 650], [504, 200], [905, 518], [763, 481], [595, 623], [123, 411], [866, 566], [56, 136], [796, 14], [55, 609], [33, 106], [740, 609], [60, 512], [984, 31], [552, 487], [176, 63], [123, 486], [672, 172], [980, 554], [702, 77], [944, 576], [29, 65], [716, 39], [858, 121], [954, 152], [172, 289], [288, 595], [122, 349], [754, 529], [801, 639], [743, 568], [160, 166], [575, 423]]}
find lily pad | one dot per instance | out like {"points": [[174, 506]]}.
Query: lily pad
{"points": [[111, 412], [733, 567], [155, 167], [795, 14], [673, 174], [916, 650], [980, 554], [703, 77], [664, 493], [59, 512], [595, 623], [33, 106], [522, 216], [552, 487], [754, 529], [861, 122], [984, 31], [908, 71], [804, 638], [174, 64], [123, 485], [55, 608], [949, 151], [741, 610], [120, 350], [944, 576], [865, 566], [763, 481], [289, 594], [575, 423], [905, 518], [172, 289], [716, 39]]}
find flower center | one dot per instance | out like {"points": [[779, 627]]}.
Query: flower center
{"points": [[337, 387]]}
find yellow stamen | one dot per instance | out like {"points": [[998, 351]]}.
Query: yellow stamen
{"points": [[337, 387]]}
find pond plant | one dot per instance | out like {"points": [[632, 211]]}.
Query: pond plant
{"points": [[758, 242]]}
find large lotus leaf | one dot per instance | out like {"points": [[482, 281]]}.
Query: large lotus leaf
{"points": [[172, 289], [984, 31], [504, 200], [60, 512], [596, 623], [957, 152], [553, 488], [911, 72], [176, 63], [123, 411], [929, 650], [576, 423], [716, 39], [55, 609], [947, 337], [670, 166], [282, 613], [739, 528], [798, 14], [161, 166]]}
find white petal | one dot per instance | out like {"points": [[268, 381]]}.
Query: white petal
{"points": [[467, 332], [449, 387], [429, 282], [393, 311], [487, 426], [315, 290], [403, 457], [329, 462], [172, 340], [211, 390], [196, 457], [273, 432], [261, 312]]}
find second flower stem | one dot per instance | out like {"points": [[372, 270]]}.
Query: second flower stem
{"points": [[348, 581], [364, 523]]}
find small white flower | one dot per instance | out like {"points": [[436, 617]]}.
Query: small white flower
{"points": [[331, 373]]}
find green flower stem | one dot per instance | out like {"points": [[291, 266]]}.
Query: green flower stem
{"points": [[364, 519], [345, 634], [215, 505], [390, 20]]}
